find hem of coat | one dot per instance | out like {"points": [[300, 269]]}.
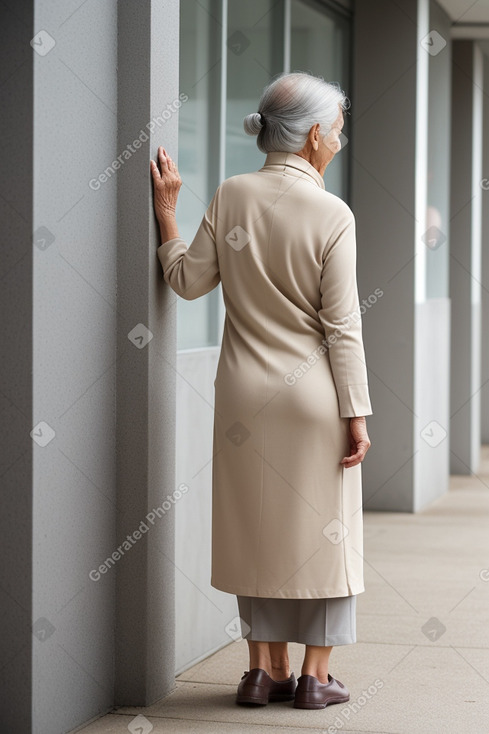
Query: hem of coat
{"points": [[333, 640], [305, 594]]}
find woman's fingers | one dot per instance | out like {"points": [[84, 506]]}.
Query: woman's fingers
{"points": [[162, 156], [166, 164], [155, 170], [165, 159], [351, 459], [357, 457]]}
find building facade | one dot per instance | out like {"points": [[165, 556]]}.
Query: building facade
{"points": [[107, 389]]}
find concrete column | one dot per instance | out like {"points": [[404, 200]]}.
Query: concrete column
{"points": [[148, 45], [485, 263], [82, 292], [383, 199], [407, 465], [465, 262], [16, 395]]}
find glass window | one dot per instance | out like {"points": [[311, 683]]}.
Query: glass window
{"points": [[254, 56], [438, 184], [198, 160], [261, 39], [320, 45]]}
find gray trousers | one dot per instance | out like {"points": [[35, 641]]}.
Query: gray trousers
{"points": [[324, 622]]}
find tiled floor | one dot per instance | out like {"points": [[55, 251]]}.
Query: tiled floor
{"points": [[421, 663]]}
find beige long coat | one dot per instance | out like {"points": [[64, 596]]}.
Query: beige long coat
{"points": [[286, 517]]}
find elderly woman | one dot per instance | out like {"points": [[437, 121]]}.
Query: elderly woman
{"points": [[291, 391]]}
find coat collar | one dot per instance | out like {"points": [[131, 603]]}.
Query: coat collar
{"points": [[294, 164]]}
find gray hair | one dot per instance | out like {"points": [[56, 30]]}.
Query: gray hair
{"points": [[289, 106]]}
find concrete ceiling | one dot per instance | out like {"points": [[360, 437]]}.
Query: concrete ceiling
{"points": [[484, 46], [467, 11]]}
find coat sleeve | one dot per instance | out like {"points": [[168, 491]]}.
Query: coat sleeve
{"points": [[192, 271], [341, 319]]}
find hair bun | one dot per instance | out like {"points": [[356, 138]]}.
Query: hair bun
{"points": [[252, 123]]}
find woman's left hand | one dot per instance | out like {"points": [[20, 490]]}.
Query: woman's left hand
{"points": [[166, 185]]}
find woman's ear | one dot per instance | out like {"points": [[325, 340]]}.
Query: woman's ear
{"points": [[314, 136]]}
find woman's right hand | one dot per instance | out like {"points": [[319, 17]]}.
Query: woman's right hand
{"points": [[359, 442], [166, 185]]}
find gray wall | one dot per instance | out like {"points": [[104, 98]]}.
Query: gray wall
{"points": [[408, 369], [16, 398], [485, 262], [73, 646], [383, 197], [75, 137], [148, 88]]}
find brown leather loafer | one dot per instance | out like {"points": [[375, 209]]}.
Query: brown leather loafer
{"points": [[258, 687], [312, 694]]}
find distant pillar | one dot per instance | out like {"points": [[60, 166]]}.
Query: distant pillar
{"points": [[465, 256], [485, 263], [396, 192]]}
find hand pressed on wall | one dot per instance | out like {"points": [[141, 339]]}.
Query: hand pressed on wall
{"points": [[166, 186]]}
